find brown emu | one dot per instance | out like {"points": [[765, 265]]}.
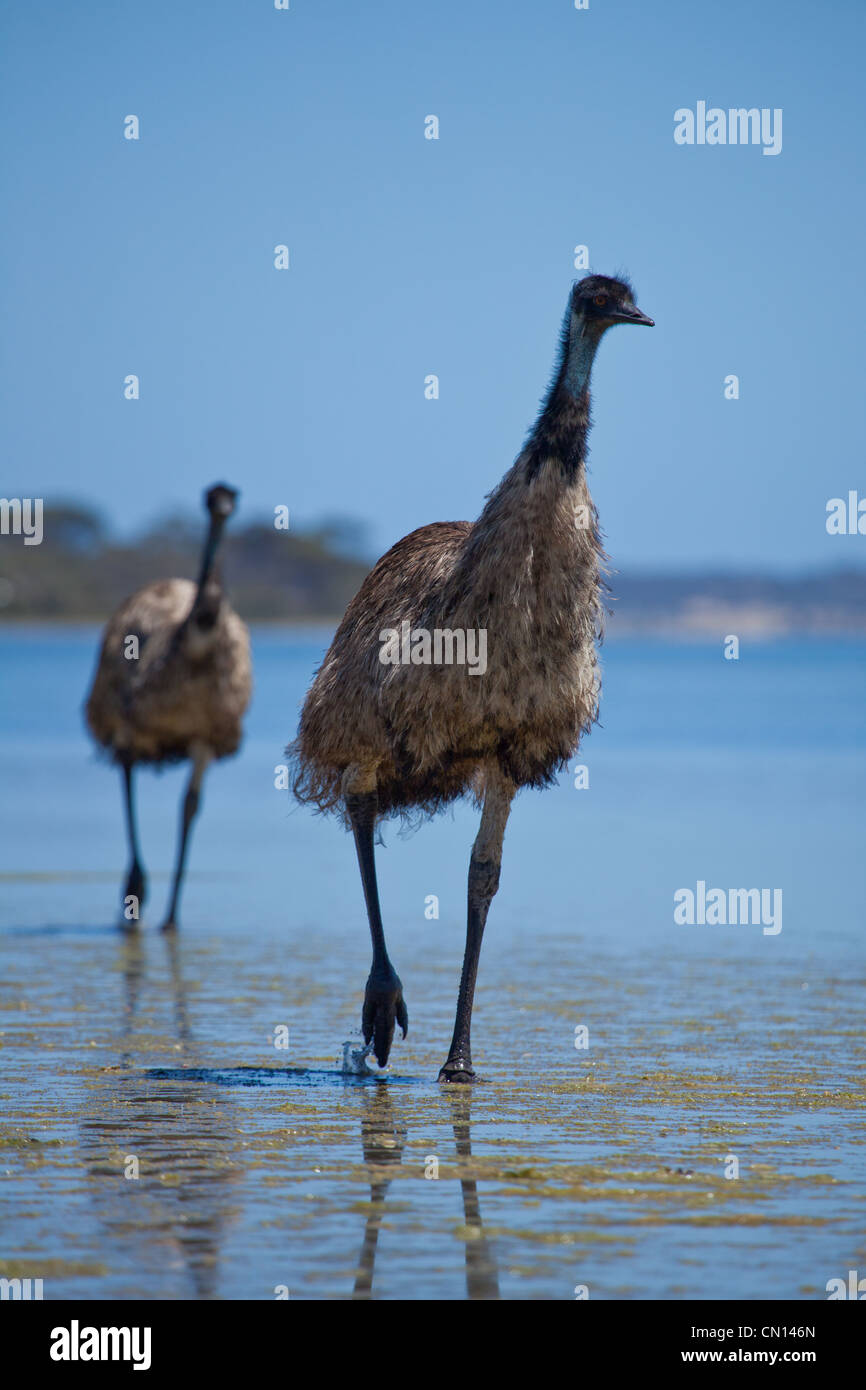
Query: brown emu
{"points": [[178, 690], [383, 732]]}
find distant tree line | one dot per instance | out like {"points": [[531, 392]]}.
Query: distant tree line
{"points": [[81, 571]]}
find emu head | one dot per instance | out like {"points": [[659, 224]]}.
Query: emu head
{"points": [[220, 501], [601, 301]]}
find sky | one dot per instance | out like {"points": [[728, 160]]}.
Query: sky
{"points": [[411, 257]]}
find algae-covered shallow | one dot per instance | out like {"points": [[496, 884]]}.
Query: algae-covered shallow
{"points": [[666, 1111]]}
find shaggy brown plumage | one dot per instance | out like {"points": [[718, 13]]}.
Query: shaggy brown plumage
{"points": [[190, 684], [173, 681], [377, 739], [529, 572], [527, 575]]}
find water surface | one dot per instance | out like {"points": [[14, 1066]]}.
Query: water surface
{"points": [[263, 1168]]}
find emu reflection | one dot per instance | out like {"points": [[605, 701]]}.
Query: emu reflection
{"points": [[383, 1139], [164, 1216], [482, 1275]]}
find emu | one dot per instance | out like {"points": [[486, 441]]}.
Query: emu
{"points": [[172, 682], [378, 737]]}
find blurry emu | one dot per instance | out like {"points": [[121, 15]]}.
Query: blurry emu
{"points": [[381, 736], [173, 682]]}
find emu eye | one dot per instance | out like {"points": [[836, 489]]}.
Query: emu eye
{"points": [[601, 299]]}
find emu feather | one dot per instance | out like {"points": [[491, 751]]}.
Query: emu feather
{"points": [[377, 739], [173, 681]]}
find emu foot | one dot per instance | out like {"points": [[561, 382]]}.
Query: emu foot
{"points": [[456, 1070], [134, 895], [136, 885], [383, 1007], [169, 924]]}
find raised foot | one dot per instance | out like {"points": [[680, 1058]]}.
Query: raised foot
{"points": [[456, 1071], [383, 1007]]}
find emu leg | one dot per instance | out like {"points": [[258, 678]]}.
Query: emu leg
{"points": [[383, 1141], [484, 868], [136, 883], [191, 802], [383, 996], [482, 1277]]}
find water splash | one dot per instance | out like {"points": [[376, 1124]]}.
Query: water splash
{"points": [[354, 1061]]}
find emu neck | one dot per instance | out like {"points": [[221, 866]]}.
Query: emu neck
{"points": [[560, 432], [579, 356], [537, 537], [208, 594], [536, 548]]}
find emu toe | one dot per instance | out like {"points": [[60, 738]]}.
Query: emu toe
{"points": [[456, 1071], [383, 1007]]}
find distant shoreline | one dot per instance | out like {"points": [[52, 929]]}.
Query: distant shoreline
{"points": [[303, 581]]}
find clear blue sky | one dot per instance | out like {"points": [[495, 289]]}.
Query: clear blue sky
{"points": [[451, 257]]}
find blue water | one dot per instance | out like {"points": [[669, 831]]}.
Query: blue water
{"points": [[741, 774]]}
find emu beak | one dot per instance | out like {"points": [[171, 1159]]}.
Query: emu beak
{"points": [[632, 315]]}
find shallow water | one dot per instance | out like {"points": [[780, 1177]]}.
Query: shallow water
{"points": [[263, 1167]]}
